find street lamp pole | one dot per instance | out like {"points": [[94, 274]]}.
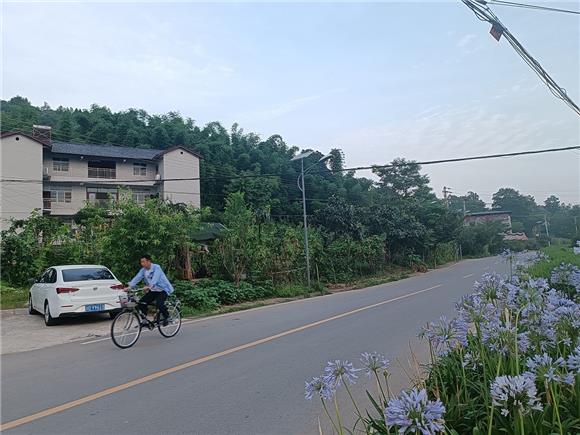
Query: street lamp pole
{"points": [[302, 188], [307, 251]]}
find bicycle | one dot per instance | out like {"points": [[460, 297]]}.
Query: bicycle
{"points": [[127, 325]]}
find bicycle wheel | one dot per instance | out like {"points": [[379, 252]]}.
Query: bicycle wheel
{"points": [[174, 324], [125, 329]]}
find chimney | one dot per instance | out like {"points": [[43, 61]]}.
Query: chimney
{"points": [[42, 133]]}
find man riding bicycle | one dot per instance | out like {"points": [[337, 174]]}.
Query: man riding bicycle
{"points": [[157, 289]]}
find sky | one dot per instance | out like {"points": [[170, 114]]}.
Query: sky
{"points": [[380, 80]]}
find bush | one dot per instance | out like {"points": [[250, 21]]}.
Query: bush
{"points": [[195, 297], [210, 294]]}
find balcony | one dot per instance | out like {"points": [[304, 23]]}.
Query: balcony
{"points": [[100, 203], [108, 173]]}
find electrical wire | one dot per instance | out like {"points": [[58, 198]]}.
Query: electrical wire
{"points": [[529, 6], [484, 13], [358, 168]]}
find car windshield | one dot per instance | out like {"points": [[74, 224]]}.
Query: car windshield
{"points": [[86, 274]]}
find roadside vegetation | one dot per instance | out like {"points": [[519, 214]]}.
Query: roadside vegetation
{"points": [[361, 231], [12, 297], [509, 362]]}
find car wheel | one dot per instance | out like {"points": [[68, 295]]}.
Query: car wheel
{"points": [[31, 310], [48, 319]]}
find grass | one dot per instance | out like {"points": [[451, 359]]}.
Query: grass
{"points": [[557, 255], [381, 279], [12, 297], [292, 291]]}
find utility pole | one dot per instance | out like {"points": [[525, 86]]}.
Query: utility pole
{"points": [[547, 232], [446, 192], [464, 208]]}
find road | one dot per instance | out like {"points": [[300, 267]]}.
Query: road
{"points": [[239, 373]]}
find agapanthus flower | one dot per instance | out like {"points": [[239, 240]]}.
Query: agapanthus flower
{"points": [[336, 370], [566, 275], [413, 412], [547, 367], [318, 386], [373, 362], [573, 361], [445, 335], [515, 394]]}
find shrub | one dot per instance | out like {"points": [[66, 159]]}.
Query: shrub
{"points": [[211, 293], [195, 297]]}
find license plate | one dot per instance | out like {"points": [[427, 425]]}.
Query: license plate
{"points": [[94, 307]]}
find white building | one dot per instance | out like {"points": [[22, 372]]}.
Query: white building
{"points": [[59, 178]]}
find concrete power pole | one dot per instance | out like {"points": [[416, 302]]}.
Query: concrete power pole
{"points": [[446, 192], [547, 232]]}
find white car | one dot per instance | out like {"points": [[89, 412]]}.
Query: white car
{"points": [[72, 290]]}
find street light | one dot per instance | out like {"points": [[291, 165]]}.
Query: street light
{"points": [[300, 182]]}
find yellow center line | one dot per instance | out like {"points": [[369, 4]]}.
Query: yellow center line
{"points": [[156, 375]]}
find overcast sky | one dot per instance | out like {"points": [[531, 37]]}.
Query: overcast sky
{"points": [[419, 80]]}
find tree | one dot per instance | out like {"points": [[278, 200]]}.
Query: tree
{"points": [[403, 179], [471, 203], [237, 243], [523, 207], [160, 138], [552, 204], [339, 218]]}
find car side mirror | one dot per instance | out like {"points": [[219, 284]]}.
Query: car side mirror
{"points": [[32, 280]]}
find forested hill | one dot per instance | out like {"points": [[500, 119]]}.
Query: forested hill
{"points": [[226, 152], [399, 202]]}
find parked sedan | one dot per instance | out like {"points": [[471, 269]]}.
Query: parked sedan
{"points": [[73, 290]]}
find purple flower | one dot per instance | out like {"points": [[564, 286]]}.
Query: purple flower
{"points": [[515, 394], [446, 335], [548, 368], [573, 361], [566, 275], [413, 412], [317, 385], [336, 370], [373, 362]]}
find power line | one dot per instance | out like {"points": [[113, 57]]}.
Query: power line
{"points": [[484, 13], [460, 159], [529, 6], [358, 168]]}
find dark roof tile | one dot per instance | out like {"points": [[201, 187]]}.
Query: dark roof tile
{"points": [[105, 151]]}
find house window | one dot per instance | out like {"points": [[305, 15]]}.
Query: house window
{"points": [[60, 194], [140, 196], [60, 164], [140, 169], [102, 169], [101, 197]]}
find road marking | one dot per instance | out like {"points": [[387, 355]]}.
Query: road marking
{"points": [[469, 276], [262, 307], [107, 392]]}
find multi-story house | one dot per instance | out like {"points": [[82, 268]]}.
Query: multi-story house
{"points": [[60, 178]]}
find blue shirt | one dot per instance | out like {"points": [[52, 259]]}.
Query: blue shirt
{"points": [[155, 278]]}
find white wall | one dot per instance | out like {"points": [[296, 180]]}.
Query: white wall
{"points": [[20, 158], [180, 164]]}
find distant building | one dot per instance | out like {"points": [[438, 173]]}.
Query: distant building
{"points": [[60, 178], [503, 217], [515, 236]]}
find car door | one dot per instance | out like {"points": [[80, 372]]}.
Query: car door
{"points": [[49, 289], [37, 291]]}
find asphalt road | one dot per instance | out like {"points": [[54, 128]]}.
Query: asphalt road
{"points": [[240, 373]]}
